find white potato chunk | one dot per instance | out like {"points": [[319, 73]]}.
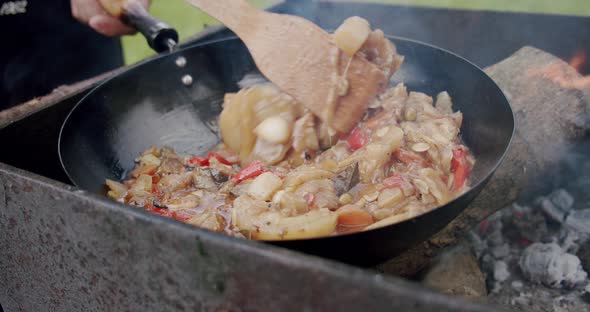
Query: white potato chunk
{"points": [[352, 34], [264, 186]]}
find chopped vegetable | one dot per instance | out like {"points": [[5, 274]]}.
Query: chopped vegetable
{"points": [[345, 199], [202, 179], [314, 223], [180, 215], [357, 138], [354, 217], [289, 203], [117, 190], [174, 182], [231, 157], [318, 194], [274, 130], [219, 158], [459, 168], [304, 174], [264, 186], [143, 183], [206, 219], [281, 172], [395, 180], [146, 169], [198, 161], [252, 170], [420, 147], [160, 211], [389, 197], [149, 159], [309, 198], [407, 156]]}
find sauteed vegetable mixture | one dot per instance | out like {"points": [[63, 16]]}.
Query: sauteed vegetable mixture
{"points": [[281, 173]]}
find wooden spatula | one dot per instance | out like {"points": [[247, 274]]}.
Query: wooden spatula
{"points": [[302, 60], [292, 52]]}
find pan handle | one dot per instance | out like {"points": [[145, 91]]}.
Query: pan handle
{"points": [[159, 35]]}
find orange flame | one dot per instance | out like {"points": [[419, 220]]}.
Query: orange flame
{"points": [[564, 76], [578, 60]]}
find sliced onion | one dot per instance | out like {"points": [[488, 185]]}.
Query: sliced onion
{"points": [[274, 130]]}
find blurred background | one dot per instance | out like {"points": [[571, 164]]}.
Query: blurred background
{"points": [[189, 21]]}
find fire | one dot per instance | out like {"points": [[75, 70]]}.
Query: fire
{"points": [[564, 76], [578, 60]]}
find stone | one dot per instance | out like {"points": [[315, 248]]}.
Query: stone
{"points": [[456, 272]]}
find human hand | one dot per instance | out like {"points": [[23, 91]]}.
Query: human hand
{"points": [[92, 13]]}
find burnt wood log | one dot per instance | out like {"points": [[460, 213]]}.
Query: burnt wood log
{"points": [[16, 113], [551, 102]]}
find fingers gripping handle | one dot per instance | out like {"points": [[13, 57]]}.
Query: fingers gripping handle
{"points": [[159, 35]]}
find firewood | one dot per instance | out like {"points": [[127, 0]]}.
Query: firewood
{"points": [[551, 103]]}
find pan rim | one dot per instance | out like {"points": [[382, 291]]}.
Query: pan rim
{"points": [[478, 185]]}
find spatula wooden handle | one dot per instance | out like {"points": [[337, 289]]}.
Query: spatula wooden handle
{"points": [[157, 33]]}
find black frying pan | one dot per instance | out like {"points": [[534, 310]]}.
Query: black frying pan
{"points": [[148, 104]]}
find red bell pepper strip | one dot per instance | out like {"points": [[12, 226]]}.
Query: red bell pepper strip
{"points": [[309, 198], [228, 155], [199, 161], [357, 138], [395, 180], [160, 211], [459, 168], [155, 179], [180, 215], [219, 158], [252, 170]]}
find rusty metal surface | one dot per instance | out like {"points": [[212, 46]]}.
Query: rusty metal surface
{"points": [[65, 250]]}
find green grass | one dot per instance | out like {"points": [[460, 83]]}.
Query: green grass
{"points": [[182, 16], [189, 21]]}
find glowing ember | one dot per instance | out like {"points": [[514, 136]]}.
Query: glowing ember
{"points": [[578, 60], [566, 78]]}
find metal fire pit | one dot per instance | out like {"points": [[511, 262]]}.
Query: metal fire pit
{"points": [[65, 249]]}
